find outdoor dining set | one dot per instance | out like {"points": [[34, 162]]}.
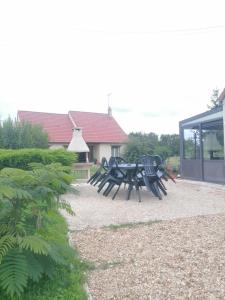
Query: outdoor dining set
{"points": [[148, 172]]}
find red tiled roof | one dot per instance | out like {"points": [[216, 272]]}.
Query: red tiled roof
{"points": [[58, 126], [96, 127]]}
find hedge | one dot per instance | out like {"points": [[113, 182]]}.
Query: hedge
{"points": [[23, 157]]}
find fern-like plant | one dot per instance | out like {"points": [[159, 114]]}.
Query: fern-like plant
{"points": [[26, 199]]}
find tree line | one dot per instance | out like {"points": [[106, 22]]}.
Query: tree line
{"points": [[165, 145], [17, 135]]}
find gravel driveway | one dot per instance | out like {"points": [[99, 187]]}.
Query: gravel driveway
{"points": [[184, 199], [181, 257], [178, 259]]}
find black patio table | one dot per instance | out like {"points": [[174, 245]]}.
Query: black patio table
{"points": [[131, 171], [130, 168]]}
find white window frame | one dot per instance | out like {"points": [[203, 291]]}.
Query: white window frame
{"points": [[115, 150]]}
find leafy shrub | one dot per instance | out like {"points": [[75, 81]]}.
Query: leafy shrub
{"points": [[173, 164], [28, 199], [67, 282], [23, 157]]}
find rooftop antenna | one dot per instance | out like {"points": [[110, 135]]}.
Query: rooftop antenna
{"points": [[109, 108]]}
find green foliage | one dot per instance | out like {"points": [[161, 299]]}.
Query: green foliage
{"points": [[16, 135], [6, 243], [28, 200], [214, 99], [67, 282], [142, 144], [13, 273], [23, 157], [139, 144], [34, 243], [67, 285], [173, 164], [170, 144]]}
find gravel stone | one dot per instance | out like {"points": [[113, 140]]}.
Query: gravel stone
{"points": [[180, 257]]}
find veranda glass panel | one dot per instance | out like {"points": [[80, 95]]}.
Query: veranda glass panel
{"points": [[213, 140], [192, 143]]}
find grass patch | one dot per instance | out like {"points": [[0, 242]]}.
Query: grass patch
{"points": [[130, 225], [108, 265]]}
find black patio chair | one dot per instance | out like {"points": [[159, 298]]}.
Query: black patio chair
{"points": [[149, 176], [162, 170], [133, 180], [107, 169], [114, 177], [120, 160], [99, 174]]}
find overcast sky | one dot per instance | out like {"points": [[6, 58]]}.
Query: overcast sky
{"points": [[159, 59]]}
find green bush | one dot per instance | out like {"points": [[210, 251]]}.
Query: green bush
{"points": [[29, 249], [17, 135], [67, 285], [173, 164], [21, 158], [67, 282]]}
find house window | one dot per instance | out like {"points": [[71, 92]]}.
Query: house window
{"points": [[91, 153], [115, 151], [192, 143], [213, 140]]}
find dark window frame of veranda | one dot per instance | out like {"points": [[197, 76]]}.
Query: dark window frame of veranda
{"points": [[202, 163]]}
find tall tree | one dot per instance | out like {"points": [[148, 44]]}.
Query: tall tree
{"points": [[1, 145], [9, 134], [215, 102], [149, 143], [139, 144], [15, 135], [171, 142]]}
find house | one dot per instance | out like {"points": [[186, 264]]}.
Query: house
{"points": [[202, 146], [93, 135]]}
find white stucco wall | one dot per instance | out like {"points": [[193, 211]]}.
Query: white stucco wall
{"points": [[96, 150], [104, 151]]}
